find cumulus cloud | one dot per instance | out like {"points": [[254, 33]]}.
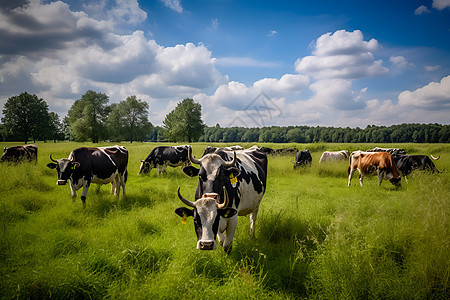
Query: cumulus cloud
{"points": [[49, 49], [434, 96], [400, 62], [441, 4], [343, 55]]}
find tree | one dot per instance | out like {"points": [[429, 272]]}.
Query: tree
{"points": [[184, 123], [26, 116], [56, 130], [128, 120], [87, 117]]}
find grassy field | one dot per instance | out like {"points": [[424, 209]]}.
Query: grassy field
{"points": [[315, 237]]}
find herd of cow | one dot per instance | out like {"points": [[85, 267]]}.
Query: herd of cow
{"points": [[231, 180]]}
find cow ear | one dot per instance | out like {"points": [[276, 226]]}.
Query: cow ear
{"points": [[51, 165], [190, 171], [227, 212], [233, 171], [184, 212]]}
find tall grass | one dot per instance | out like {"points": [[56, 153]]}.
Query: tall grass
{"points": [[315, 237]]}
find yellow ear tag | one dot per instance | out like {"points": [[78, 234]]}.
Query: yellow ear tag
{"points": [[233, 179], [184, 218]]}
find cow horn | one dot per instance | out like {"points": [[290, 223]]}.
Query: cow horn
{"points": [[231, 163], [184, 200], [192, 158], [141, 160], [225, 200], [435, 157], [52, 158]]}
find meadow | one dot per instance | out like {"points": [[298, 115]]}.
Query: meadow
{"points": [[315, 237]]}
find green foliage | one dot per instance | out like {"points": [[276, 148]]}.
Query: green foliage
{"points": [[26, 116], [128, 120], [403, 133], [87, 117], [315, 237], [184, 123]]}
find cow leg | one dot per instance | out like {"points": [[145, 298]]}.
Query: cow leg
{"points": [[253, 216], [73, 191], [406, 180], [164, 169], [350, 176], [360, 179], [229, 233], [84, 193], [380, 176]]}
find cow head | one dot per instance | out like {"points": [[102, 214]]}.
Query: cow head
{"points": [[214, 174], [145, 167], [396, 181], [206, 213], [65, 168]]}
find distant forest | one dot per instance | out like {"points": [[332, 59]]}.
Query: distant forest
{"points": [[403, 133]]}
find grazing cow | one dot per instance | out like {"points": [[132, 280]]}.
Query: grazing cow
{"points": [[408, 163], [267, 150], [210, 149], [302, 158], [230, 184], [20, 153], [334, 156], [93, 165], [368, 162], [285, 151], [163, 156], [391, 151]]}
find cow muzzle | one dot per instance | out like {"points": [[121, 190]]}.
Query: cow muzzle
{"points": [[206, 245], [61, 182]]}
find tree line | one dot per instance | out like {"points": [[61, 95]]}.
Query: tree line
{"points": [[403, 133], [92, 118]]}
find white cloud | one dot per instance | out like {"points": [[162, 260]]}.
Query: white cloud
{"points": [[434, 96], [173, 4], [432, 68], [342, 55], [422, 10], [272, 33], [441, 4], [245, 62], [400, 62]]}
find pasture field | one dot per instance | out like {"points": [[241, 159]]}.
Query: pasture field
{"points": [[315, 238]]}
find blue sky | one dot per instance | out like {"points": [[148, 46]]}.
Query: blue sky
{"points": [[249, 63]]}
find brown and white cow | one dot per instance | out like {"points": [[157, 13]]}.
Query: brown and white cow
{"points": [[334, 156], [368, 162]]}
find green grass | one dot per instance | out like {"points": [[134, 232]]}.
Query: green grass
{"points": [[315, 237]]}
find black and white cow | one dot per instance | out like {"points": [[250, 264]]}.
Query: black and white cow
{"points": [[210, 149], [20, 153], [230, 184], [93, 165], [391, 151], [163, 156], [302, 158], [408, 163]]}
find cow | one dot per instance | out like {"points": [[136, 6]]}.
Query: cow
{"points": [[408, 163], [230, 184], [368, 162], [100, 165], [267, 150], [20, 153], [210, 149], [391, 151], [162, 156], [285, 151], [302, 158], [334, 156]]}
